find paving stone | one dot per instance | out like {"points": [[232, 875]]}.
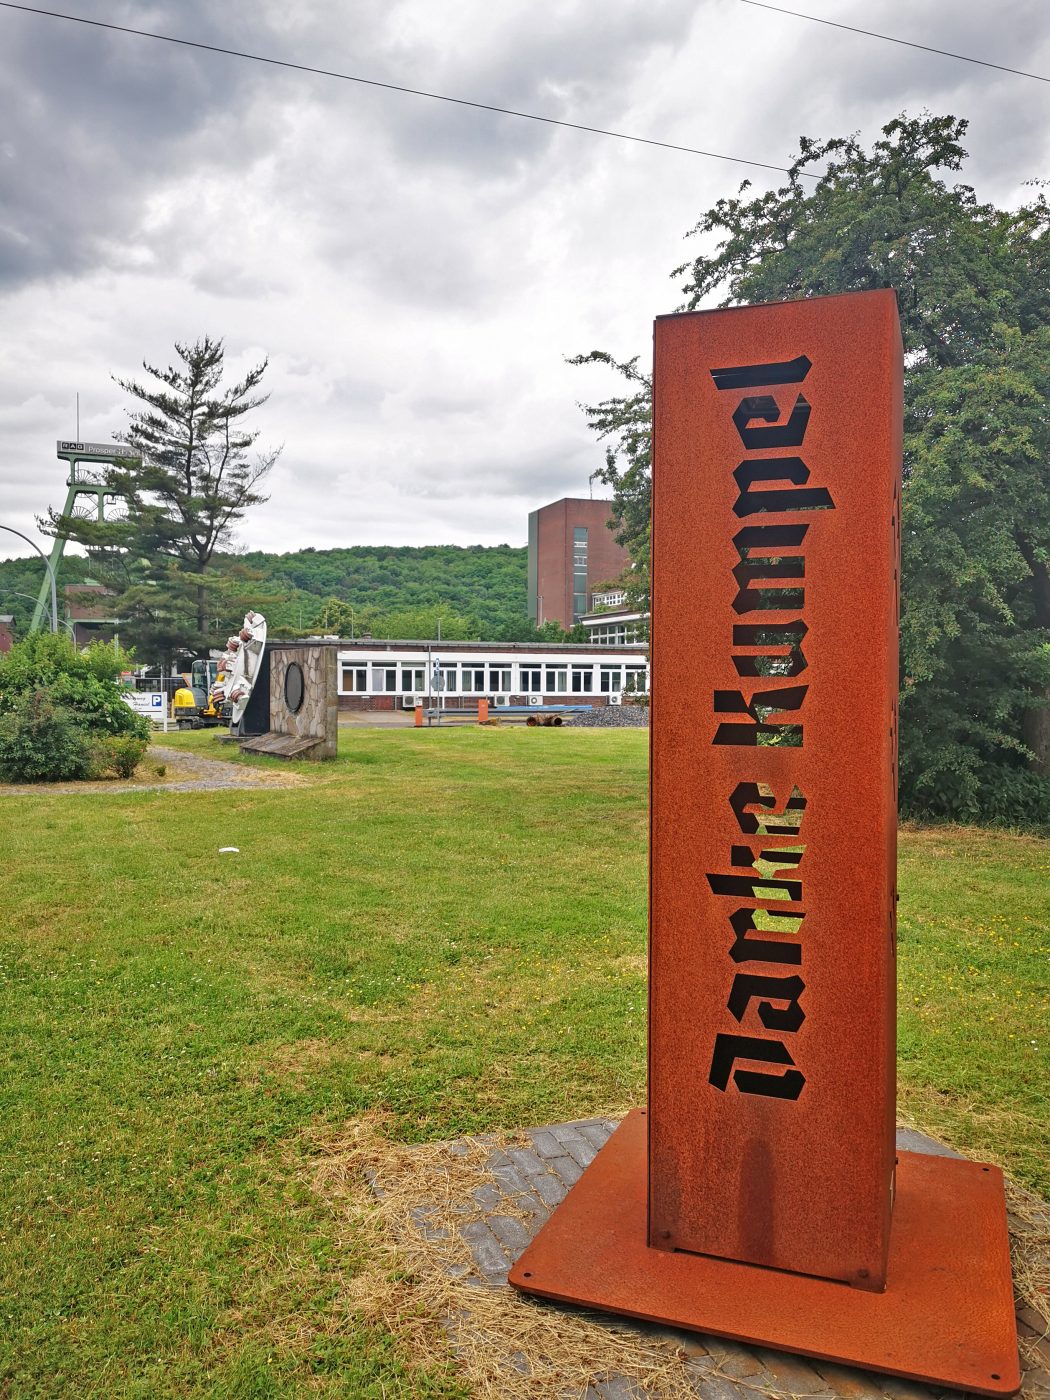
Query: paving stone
{"points": [[578, 1148], [568, 1170], [899, 1389], [421, 1220], [737, 1361], [511, 1233], [697, 1354], [545, 1143], [619, 1388], [485, 1247], [851, 1384], [488, 1196], [549, 1189], [716, 1388], [597, 1134], [1031, 1319], [526, 1161], [910, 1140], [509, 1177], [792, 1373]]}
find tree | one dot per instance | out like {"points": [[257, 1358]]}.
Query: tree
{"points": [[190, 483], [625, 424], [973, 285]]}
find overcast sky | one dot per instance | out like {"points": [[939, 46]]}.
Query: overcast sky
{"points": [[417, 272]]}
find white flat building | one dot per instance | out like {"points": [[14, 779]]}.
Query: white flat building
{"points": [[382, 675]]}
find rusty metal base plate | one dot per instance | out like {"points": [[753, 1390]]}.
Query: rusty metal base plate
{"points": [[946, 1317]]}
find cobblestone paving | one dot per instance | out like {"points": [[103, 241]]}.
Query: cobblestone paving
{"points": [[539, 1176]]}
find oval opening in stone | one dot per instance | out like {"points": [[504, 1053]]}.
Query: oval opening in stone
{"points": [[294, 688]]}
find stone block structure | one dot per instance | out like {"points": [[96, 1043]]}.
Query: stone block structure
{"points": [[304, 706]]}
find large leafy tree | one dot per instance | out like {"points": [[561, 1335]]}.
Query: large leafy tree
{"points": [[190, 476], [973, 286]]}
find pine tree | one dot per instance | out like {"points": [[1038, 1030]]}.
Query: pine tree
{"points": [[189, 482]]}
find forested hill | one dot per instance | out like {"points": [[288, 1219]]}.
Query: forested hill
{"points": [[488, 584], [477, 591]]}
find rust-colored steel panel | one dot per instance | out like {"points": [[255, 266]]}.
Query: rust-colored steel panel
{"points": [[946, 1317], [773, 784]]}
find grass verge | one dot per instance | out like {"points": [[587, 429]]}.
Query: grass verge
{"points": [[447, 927]]}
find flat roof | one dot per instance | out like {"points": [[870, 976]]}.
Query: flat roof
{"points": [[449, 644]]}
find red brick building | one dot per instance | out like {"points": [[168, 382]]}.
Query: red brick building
{"points": [[571, 551], [90, 610]]}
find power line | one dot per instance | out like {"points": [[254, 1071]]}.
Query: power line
{"points": [[397, 87], [890, 39]]}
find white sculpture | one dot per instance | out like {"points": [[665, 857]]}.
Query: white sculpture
{"points": [[239, 666]]}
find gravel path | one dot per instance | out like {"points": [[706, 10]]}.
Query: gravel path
{"points": [[197, 774], [613, 717], [187, 772]]}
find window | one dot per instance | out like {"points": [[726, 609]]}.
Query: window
{"points": [[579, 571], [582, 679], [636, 680], [355, 678], [448, 678], [611, 679], [557, 679], [474, 678], [531, 680], [413, 680], [499, 679], [614, 634], [384, 678]]}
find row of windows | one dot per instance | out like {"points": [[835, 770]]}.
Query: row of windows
{"points": [[468, 679], [615, 634]]}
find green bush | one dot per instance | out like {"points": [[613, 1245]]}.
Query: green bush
{"points": [[82, 682], [119, 754], [41, 743]]}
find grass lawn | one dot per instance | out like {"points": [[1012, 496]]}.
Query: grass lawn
{"points": [[445, 927]]}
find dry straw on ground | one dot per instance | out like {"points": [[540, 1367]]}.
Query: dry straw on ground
{"points": [[421, 1282]]}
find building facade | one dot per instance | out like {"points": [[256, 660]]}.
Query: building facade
{"points": [[380, 675], [571, 551], [616, 626]]}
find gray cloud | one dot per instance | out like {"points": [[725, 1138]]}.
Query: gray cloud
{"points": [[416, 272]]}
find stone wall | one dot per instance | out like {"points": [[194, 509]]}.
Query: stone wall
{"points": [[317, 713]]}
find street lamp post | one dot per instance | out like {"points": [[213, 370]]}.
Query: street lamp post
{"points": [[14, 593], [47, 565]]}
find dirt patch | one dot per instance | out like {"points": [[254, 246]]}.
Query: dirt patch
{"points": [[183, 772]]}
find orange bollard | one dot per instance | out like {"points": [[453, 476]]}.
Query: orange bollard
{"points": [[419, 716], [483, 711]]}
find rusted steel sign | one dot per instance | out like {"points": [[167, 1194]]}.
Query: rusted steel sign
{"points": [[776, 543], [759, 1196]]}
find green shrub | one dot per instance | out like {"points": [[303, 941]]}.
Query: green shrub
{"points": [[119, 754], [41, 743], [82, 682]]}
